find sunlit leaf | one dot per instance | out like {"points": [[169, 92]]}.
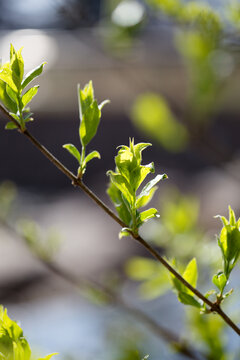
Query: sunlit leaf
{"points": [[73, 151], [32, 75], [29, 95], [92, 155]]}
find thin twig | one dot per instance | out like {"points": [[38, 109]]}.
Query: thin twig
{"points": [[78, 182], [114, 299]]}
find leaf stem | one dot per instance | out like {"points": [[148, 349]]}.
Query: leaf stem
{"points": [[78, 182]]}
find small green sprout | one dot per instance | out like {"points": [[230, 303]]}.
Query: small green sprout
{"points": [[124, 184], [12, 86], [90, 115]]}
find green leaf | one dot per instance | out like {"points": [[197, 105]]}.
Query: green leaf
{"points": [[28, 96], [6, 99], [6, 75], [144, 200], [17, 66], [122, 207], [89, 123], [140, 173], [32, 75], [122, 184], [147, 188], [148, 214], [12, 94], [73, 151], [220, 280], [187, 299], [138, 149], [11, 126], [85, 98], [191, 274], [92, 155]]}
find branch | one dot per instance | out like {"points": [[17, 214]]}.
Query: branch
{"points": [[78, 182]]}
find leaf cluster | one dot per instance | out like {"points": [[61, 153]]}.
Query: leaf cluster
{"points": [[12, 87], [90, 115], [124, 184], [229, 243], [13, 344]]}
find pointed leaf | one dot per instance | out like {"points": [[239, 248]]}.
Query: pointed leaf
{"points": [[191, 274], [32, 75], [5, 98], [187, 299], [17, 66], [92, 155], [28, 96], [89, 123], [73, 151], [144, 200], [121, 206], [11, 126], [146, 190], [220, 280], [6, 75], [85, 98], [122, 184], [148, 214]]}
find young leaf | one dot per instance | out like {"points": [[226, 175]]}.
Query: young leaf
{"points": [[220, 280], [28, 96], [6, 75], [191, 274], [92, 155], [144, 200], [85, 98], [122, 184], [187, 299], [17, 66], [89, 123], [32, 75], [148, 214], [121, 206], [147, 188], [73, 151], [6, 99], [10, 126], [12, 94]]}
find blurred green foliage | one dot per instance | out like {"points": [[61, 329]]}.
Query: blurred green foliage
{"points": [[13, 344], [153, 116]]}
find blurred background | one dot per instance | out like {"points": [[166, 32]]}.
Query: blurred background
{"points": [[173, 80]]}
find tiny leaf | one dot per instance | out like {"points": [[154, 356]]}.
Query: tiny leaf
{"points": [[11, 126], [148, 214], [73, 151], [92, 155]]}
